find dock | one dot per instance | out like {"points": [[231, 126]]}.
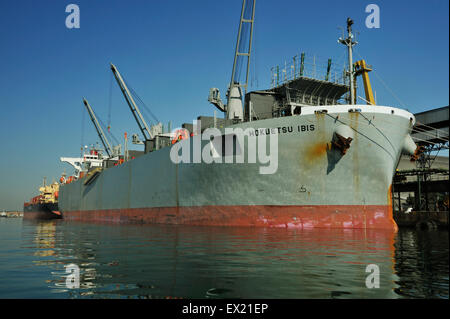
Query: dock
{"points": [[420, 189], [422, 219], [11, 214]]}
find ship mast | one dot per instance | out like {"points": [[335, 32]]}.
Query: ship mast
{"points": [[349, 43], [133, 107], [97, 126]]}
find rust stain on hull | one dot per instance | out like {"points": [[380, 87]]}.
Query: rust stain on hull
{"points": [[316, 151], [390, 208], [354, 119]]}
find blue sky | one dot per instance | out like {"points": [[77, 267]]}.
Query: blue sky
{"points": [[171, 53]]}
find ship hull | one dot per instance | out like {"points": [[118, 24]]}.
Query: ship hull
{"points": [[41, 211], [314, 185]]}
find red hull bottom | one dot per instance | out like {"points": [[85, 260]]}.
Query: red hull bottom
{"points": [[323, 216]]}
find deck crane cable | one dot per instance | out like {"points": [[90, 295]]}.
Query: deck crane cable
{"points": [[140, 101], [415, 129], [110, 134], [146, 108], [111, 76], [384, 84], [82, 134]]}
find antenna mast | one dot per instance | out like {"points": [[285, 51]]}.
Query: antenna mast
{"points": [[97, 126], [349, 43]]}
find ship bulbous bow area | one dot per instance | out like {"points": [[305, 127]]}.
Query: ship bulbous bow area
{"points": [[411, 148]]}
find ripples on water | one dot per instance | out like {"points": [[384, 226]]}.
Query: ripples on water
{"points": [[155, 261]]}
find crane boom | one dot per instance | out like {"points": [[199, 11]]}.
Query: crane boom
{"points": [[233, 108], [97, 126], [244, 19], [133, 107], [361, 68]]}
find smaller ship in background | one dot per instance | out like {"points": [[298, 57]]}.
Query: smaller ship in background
{"points": [[45, 205]]}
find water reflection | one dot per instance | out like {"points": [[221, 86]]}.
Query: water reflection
{"points": [[422, 263], [45, 239], [154, 261]]}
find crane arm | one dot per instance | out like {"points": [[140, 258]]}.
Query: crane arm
{"points": [[362, 69], [132, 104], [97, 126]]}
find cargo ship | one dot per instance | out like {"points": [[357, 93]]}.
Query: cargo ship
{"points": [[45, 205], [331, 160]]}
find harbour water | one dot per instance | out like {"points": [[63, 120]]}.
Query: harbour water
{"points": [[157, 261]]}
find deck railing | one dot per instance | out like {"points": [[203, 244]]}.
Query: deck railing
{"points": [[308, 66]]}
